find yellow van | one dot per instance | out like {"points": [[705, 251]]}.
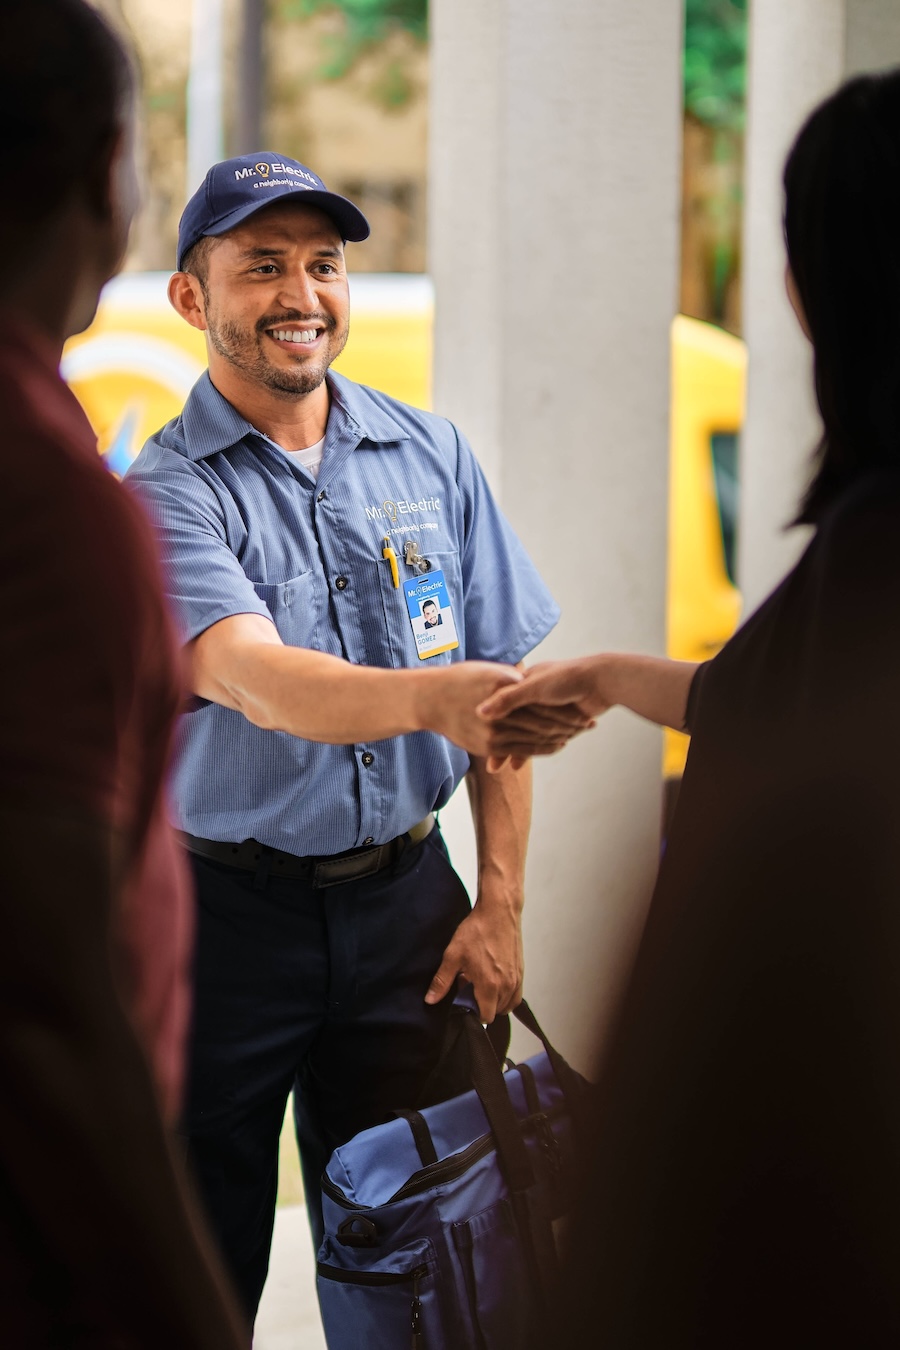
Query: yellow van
{"points": [[709, 375], [134, 366]]}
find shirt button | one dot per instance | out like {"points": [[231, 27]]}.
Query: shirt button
{"points": [[368, 758], [369, 839], [321, 497], [341, 583]]}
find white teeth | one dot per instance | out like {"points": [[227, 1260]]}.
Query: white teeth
{"points": [[289, 335]]}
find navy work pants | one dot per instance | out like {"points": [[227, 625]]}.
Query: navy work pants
{"points": [[321, 991]]}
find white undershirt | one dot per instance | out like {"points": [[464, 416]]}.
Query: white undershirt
{"points": [[310, 458]]}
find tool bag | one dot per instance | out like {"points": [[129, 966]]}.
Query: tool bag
{"points": [[440, 1224]]}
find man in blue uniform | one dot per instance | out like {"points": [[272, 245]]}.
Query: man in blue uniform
{"points": [[305, 519]]}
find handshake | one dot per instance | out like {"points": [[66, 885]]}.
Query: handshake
{"points": [[504, 714]]}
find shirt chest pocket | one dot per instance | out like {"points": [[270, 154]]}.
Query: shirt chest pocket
{"points": [[292, 605], [388, 630]]}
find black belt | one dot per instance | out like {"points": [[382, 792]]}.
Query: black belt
{"points": [[327, 871]]}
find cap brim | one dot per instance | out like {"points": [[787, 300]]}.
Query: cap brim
{"points": [[348, 218]]}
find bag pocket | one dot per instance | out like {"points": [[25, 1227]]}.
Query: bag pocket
{"points": [[390, 1304], [498, 1294]]}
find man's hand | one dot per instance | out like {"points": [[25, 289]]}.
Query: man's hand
{"points": [[447, 700], [486, 949], [450, 701], [569, 692], [555, 701]]}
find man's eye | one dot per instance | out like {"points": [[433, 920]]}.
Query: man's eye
{"points": [[266, 268]]}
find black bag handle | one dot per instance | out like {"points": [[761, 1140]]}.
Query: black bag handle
{"points": [[486, 1050], [498, 1034], [569, 1082], [487, 1080], [532, 1100]]}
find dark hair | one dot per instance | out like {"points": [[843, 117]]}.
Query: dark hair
{"points": [[64, 84], [841, 223], [196, 261]]}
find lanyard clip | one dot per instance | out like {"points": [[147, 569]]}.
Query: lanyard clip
{"points": [[413, 558]]}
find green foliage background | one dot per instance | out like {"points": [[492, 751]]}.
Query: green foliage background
{"points": [[715, 48], [367, 23], [715, 61]]}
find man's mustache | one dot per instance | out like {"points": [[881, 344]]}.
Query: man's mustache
{"points": [[294, 317]]}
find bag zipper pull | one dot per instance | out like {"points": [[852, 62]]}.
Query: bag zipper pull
{"points": [[417, 1340]]}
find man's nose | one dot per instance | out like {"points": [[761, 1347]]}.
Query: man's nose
{"points": [[298, 291]]}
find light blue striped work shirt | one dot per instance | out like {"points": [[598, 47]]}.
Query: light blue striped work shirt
{"points": [[244, 530]]}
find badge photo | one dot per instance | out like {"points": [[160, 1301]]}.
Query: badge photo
{"points": [[430, 615]]}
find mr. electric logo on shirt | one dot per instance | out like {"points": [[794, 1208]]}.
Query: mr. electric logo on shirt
{"points": [[393, 510]]}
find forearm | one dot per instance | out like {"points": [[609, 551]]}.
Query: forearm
{"points": [[501, 812], [242, 664], [653, 687], [486, 948], [576, 692], [320, 697]]}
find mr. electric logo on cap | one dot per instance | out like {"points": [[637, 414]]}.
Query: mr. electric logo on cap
{"points": [[263, 170]]}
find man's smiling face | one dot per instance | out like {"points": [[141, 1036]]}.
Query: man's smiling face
{"points": [[277, 300]]}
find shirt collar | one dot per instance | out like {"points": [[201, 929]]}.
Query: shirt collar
{"points": [[210, 423]]}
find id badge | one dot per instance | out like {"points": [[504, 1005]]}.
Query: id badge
{"points": [[430, 614]]}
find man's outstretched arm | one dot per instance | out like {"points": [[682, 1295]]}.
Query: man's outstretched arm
{"points": [[242, 663]]}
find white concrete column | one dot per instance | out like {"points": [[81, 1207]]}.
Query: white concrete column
{"points": [[205, 142], [872, 39], [555, 145], [466, 216], [799, 51]]}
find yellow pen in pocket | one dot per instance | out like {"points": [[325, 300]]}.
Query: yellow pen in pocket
{"points": [[388, 552]]}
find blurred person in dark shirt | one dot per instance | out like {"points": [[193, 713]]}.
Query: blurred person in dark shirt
{"points": [[746, 1154], [99, 1243]]}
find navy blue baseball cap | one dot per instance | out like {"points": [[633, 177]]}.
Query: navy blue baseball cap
{"points": [[233, 190]]}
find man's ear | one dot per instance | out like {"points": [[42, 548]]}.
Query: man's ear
{"points": [[186, 298]]}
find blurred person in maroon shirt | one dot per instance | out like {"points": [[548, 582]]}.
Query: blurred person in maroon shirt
{"points": [[99, 1242]]}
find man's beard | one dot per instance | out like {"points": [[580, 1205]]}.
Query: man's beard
{"points": [[246, 351]]}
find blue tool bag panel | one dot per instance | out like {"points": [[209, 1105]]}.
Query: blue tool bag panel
{"points": [[441, 1224]]}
